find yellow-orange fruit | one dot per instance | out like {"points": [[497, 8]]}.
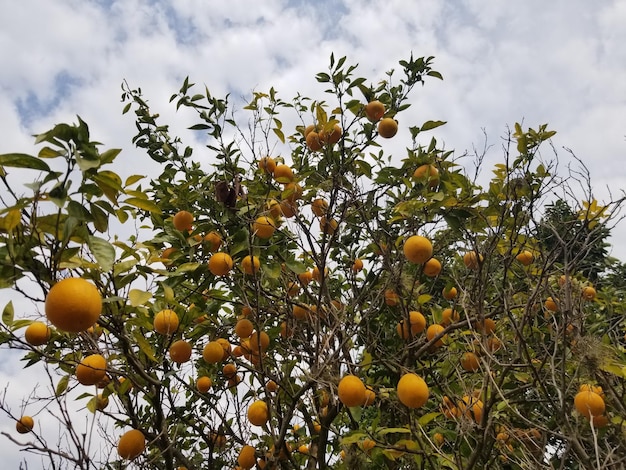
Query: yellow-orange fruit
{"points": [[525, 257], [300, 313], [471, 408], [243, 328], [433, 331], [229, 371], [258, 413], [203, 384], [588, 293], [469, 362], [183, 220], [449, 316], [220, 264], [259, 341], [450, 293], [246, 458], [374, 111], [331, 136], [438, 438], [418, 249], [292, 192], [288, 208], [391, 298], [264, 227], [429, 172], [213, 352], [387, 128], [551, 305], [25, 424], [213, 241], [319, 207], [357, 265], [166, 322], [589, 404], [591, 388], [432, 267], [351, 391], [37, 333], [370, 397], [472, 260], [313, 141], [412, 390], [166, 254], [417, 324], [267, 165], [305, 277], [91, 369], [283, 173], [487, 327], [131, 444], [180, 351], [73, 305], [328, 226], [271, 386], [250, 264]]}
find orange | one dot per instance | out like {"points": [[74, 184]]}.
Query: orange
{"points": [[73, 304], [319, 207], [331, 136], [429, 173], [213, 241], [289, 208], [450, 293], [472, 260], [183, 220], [316, 274], [305, 277], [449, 316], [525, 257], [91, 369], [250, 264], [387, 128], [37, 333], [469, 362], [167, 253], [391, 298], [417, 325], [471, 408], [246, 458], [551, 305], [351, 391], [267, 165], [494, 344], [309, 128], [203, 384], [432, 267], [418, 249], [259, 341], [293, 288], [438, 438], [433, 331], [487, 327], [220, 264], [283, 173], [229, 370], [591, 388], [258, 414], [357, 265], [412, 390], [589, 293], [303, 449], [600, 421], [165, 322], [374, 111], [368, 444], [264, 227], [370, 397], [274, 209], [313, 141], [271, 386], [213, 352], [24, 425], [180, 351], [300, 313], [328, 226], [243, 328], [131, 444], [589, 404], [292, 192]]}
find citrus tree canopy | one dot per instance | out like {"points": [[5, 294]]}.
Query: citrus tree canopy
{"points": [[304, 296]]}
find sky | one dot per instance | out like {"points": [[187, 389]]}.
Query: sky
{"points": [[561, 62]]}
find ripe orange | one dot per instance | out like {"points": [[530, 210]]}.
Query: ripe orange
{"points": [[267, 165], [264, 227], [486, 327], [229, 370], [313, 141], [203, 384], [91, 369], [439, 438], [283, 173], [316, 274], [471, 408], [259, 341], [412, 390], [300, 313], [167, 253], [551, 305], [24, 425], [213, 241], [73, 305], [418, 249], [351, 391], [37, 333], [250, 264], [246, 458], [525, 257], [180, 351], [370, 397], [131, 444], [292, 192], [600, 421], [472, 260], [449, 294], [428, 173], [588, 293], [494, 344], [220, 264], [589, 404], [387, 128], [591, 388], [309, 128], [183, 220], [166, 322], [357, 265], [432, 267], [243, 328], [328, 226], [293, 288], [368, 444], [319, 207], [374, 111], [271, 386], [288, 208], [449, 316], [213, 352], [305, 277], [469, 362], [331, 136], [417, 324], [391, 298], [258, 414], [433, 331]]}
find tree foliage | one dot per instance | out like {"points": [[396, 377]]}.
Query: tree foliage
{"points": [[333, 292]]}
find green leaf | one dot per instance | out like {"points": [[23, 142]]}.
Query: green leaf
{"points": [[434, 73], [427, 418], [424, 298], [385, 431], [22, 160], [279, 134], [62, 385], [429, 125], [143, 204], [109, 155], [48, 152], [7, 313], [144, 345], [138, 297], [103, 251], [133, 179]]}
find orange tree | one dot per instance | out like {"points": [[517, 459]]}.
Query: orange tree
{"points": [[308, 300]]}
